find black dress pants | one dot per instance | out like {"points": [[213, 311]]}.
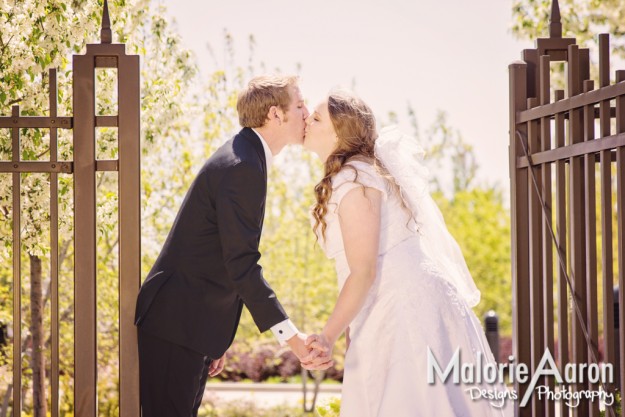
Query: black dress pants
{"points": [[172, 378]]}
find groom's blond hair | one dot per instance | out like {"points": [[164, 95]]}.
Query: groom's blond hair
{"points": [[260, 95]]}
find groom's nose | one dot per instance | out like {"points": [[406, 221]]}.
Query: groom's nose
{"points": [[306, 113]]}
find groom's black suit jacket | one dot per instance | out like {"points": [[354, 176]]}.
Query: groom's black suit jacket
{"points": [[208, 267]]}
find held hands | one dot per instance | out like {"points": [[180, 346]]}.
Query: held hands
{"points": [[320, 357], [305, 354], [297, 345], [313, 353]]}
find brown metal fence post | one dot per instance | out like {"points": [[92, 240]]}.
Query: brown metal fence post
{"points": [[129, 231], [54, 254], [535, 257], [547, 244], [620, 203], [520, 233], [85, 362], [590, 274], [610, 299], [106, 55], [561, 248], [17, 275], [576, 206]]}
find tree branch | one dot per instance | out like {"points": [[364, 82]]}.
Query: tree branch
{"points": [[6, 45]]}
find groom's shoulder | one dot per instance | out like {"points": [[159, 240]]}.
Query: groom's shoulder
{"points": [[239, 148]]}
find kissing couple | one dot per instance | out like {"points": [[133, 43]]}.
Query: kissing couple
{"points": [[404, 285]]}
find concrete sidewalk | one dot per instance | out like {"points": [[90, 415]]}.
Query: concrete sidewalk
{"points": [[267, 395]]}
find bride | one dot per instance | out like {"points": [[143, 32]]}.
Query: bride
{"points": [[405, 290]]}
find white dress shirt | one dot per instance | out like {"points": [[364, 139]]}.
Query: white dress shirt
{"points": [[284, 330]]}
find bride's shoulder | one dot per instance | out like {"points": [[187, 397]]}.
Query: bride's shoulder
{"points": [[353, 168], [359, 172], [360, 164], [360, 160]]}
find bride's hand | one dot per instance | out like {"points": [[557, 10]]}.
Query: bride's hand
{"points": [[322, 345], [217, 366]]}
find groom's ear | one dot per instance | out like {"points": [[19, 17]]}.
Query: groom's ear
{"points": [[275, 115]]}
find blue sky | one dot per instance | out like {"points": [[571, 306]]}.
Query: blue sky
{"points": [[450, 55]]}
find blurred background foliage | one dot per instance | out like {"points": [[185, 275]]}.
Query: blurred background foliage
{"points": [[185, 117]]}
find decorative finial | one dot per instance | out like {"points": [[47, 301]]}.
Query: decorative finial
{"points": [[555, 25], [106, 36]]}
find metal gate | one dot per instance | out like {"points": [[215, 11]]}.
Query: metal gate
{"points": [[84, 167], [567, 165]]}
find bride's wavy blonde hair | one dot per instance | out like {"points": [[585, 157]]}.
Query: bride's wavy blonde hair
{"points": [[355, 127]]}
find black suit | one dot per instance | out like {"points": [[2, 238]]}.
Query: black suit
{"points": [[208, 267]]}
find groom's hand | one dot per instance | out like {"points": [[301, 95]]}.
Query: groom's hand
{"points": [[297, 345], [217, 366]]}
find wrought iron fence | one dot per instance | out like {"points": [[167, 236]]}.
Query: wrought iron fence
{"points": [[84, 166], [567, 164]]}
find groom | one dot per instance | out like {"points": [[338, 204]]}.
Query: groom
{"points": [[189, 306]]}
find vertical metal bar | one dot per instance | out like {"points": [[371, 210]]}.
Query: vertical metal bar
{"points": [[606, 216], [129, 231], [84, 238], [561, 233], [547, 245], [604, 60], [592, 317], [17, 273], [584, 66], [535, 259], [54, 255], [620, 204], [520, 233], [576, 204], [531, 58]]}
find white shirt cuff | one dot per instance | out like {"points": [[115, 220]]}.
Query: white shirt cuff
{"points": [[284, 330]]}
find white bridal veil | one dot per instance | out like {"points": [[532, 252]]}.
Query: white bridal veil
{"points": [[402, 156]]}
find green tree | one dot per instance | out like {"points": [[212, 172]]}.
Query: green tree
{"points": [[451, 159]]}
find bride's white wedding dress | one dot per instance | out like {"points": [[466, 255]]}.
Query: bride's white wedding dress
{"points": [[409, 308]]}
